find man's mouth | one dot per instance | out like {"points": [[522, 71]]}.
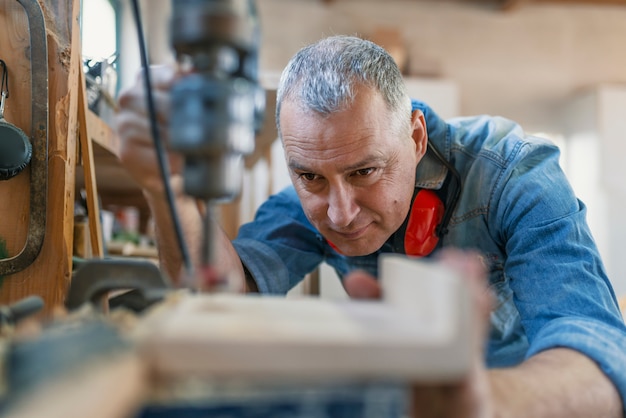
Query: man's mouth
{"points": [[352, 234]]}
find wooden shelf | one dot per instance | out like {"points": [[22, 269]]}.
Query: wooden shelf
{"points": [[111, 177], [102, 134]]}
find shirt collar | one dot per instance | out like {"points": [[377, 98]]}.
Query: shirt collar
{"points": [[430, 172]]}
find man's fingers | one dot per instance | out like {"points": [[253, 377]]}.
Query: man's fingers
{"points": [[134, 100], [134, 128], [361, 285], [161, 75]]}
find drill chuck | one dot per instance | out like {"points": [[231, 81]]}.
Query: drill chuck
{"points": [[212, 126], [218, 105]]}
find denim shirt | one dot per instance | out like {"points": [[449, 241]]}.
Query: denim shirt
{"points": [[516, 208]]}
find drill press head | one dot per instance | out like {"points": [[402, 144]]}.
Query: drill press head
{"points": [[217, 105]]}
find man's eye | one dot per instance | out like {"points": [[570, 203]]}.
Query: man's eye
{"points": [[308, 176], [364, 171]]}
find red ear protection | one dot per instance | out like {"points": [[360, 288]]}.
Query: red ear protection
{"points": [[426, 213], [333, 246]]}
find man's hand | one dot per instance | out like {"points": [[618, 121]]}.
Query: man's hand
{"points": [[471, 396], [132, 124]]}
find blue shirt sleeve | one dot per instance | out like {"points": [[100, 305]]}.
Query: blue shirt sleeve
{"points": [[559, 283], [280, 246]]}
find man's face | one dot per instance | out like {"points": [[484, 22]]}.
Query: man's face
{"points": [[354, 171]]}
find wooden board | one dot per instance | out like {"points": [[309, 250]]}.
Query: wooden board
{"points": [[262, 337], [115, 387]]}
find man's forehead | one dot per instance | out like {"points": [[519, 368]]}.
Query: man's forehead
{"points": [[342, 154], [325, 107]]}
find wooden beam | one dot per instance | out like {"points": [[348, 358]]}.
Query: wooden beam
{"points": [[509, 5], [86, 146], [587, 2]]}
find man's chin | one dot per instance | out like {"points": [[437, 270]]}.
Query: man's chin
{"points": [[356, 251]]}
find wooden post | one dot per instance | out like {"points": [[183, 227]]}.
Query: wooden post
{"points": [[49, 275], [86, 147]]}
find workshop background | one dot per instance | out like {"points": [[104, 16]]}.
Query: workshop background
{"points": [[557, 67]]}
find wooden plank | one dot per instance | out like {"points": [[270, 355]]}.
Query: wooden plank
{"points": [[110, 388], [422, 331], [93, 207], [508, 5], [587, 2]]}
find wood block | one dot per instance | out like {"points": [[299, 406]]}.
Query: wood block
{"points": [[422, 337]]}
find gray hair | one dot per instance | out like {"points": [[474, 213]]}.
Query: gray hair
{"points": [[323, 77]]}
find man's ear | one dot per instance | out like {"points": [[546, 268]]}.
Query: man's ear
{"points": [[419, 134]]}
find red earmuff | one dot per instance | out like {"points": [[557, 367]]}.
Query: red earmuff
{"points": [[420, 237]]}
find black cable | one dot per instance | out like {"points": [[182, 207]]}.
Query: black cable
{"points": [[158, 143]]}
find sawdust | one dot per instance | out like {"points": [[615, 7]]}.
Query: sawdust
{"points": [[62, 116], [65, 56], [58, 34], [54, 29]]}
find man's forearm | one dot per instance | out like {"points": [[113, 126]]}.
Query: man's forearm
{"points": [[556, 383]]}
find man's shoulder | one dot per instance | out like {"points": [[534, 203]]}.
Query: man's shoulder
{"points": [[471, 133], [495, 137]]}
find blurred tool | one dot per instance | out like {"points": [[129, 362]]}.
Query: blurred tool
{"points": [[66, 367], [217, 105], [23, 308], [92, 282], [15, 148]]}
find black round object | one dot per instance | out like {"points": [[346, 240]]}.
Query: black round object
{"points": [[15, 150]]}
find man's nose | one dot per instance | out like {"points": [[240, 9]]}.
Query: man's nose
{"points": [[342, 207]]}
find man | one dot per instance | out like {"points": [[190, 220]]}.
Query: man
{"points": [[375, 172]]}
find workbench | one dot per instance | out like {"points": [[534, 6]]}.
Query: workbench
{"points": [[227, 355]]}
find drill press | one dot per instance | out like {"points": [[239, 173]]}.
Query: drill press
{"points": [[216, 106]]}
